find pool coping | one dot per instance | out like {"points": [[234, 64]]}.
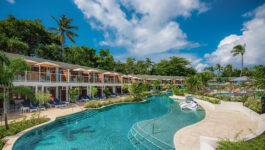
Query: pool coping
{"points": [[11, 140], [210, 143]]}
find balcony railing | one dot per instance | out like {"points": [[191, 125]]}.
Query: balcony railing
{"points": [[34, 76]]}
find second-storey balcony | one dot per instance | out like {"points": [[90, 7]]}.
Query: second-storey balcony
{"points": [[35, 76]]}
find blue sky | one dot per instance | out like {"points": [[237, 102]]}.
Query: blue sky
{"points": [[203, 31]]}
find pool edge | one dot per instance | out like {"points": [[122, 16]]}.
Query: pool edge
{"points": [[12, 139]]}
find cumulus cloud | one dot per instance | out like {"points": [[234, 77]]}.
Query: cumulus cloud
{"points": [[11, 1], [253, 35], [142, 27]]}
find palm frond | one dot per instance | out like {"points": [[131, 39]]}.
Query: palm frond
{"points": [[53, 29], [72, 27], [3, 58], [6, 76], [18, 65], [55, 20], [23, 90], [70, 35]]}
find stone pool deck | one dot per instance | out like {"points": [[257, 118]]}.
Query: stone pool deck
{"points": [[220, 122]]}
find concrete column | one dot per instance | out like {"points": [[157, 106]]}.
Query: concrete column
{"points": [[57, 92], [69, 75], [42, 88], [39, 73], [26, 74], [102, 88], [87, 91], [36, 89], [90, 90], [114, 89], [67, 99], [89, 78], [94, 76], [57, 75]]}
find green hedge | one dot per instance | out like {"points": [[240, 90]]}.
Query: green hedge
{"points": [[178, 92], [1, 143], [98, 104], [254, 104], [211, 100], [18, 126], [257, 143]]}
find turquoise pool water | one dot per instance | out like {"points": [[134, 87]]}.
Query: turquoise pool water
{"points": [[225, 94], [149, 125]]}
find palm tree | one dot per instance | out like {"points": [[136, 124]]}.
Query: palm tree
{"points": [[64, 27], [156, 84], [229, 69], [219, 68], [239, 49], [8, 71], [211, 69]]}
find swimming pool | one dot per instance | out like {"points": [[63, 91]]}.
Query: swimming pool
{"points": [[148, 125]]}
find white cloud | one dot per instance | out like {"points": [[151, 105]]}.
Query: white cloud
{"points": [[200, 67], [148, 29], [253, 35], [11, 1]]}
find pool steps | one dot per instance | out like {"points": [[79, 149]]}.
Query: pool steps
{"points": [[140, 138]]}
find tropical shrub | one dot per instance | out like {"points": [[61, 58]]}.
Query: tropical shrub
{"points": [[106, 92], [165, 86], [211, 100], [2, 142], [253, 144], [125, 88], [147, 86], [145, 94], [73, 94], [254, 104], [18, 126], [156, 84], [42, 97], [178, 92], [93, 91], [259, 94], [136, 90], [98, 104]]}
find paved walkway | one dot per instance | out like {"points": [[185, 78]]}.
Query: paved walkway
{"points": [[217, 124], [51, 112]]}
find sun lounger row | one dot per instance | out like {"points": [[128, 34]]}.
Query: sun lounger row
{"points": [[27, 106], [57, 103]]}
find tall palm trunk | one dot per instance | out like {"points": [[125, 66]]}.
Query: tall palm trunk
{"points": [[62, 42], [241, 65], [5, 109]]}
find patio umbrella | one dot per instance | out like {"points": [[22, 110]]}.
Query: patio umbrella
{"points": [[80, 70], [47, 64], [110, 73], [92, 70]]}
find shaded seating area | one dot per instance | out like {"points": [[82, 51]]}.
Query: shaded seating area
{"points": [[86, 98], [28, 106], [57, 103]]}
